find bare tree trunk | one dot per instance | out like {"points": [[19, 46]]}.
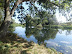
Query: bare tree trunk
{"points": [[7, 19]]}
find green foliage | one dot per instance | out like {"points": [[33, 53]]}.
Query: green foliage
{"points": [[42, 18], [41, 35], [47, 10], [13, 25], [1, 42], [12, 44], [39, 26]]}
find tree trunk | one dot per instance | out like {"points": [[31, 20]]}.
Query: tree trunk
{"points": [[7, 19], [4, 26]]}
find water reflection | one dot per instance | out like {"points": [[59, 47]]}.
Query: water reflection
{"points": [[59, 39]]}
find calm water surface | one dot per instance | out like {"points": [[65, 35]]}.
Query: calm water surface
{"points": [[59, 39]]}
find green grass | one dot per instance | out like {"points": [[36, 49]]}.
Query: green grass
{"points": [[12, 44], [59, 26], [16, 24], [67, 27], [53, 26]]}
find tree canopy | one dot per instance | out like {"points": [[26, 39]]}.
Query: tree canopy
{"points": [[48, 6]]}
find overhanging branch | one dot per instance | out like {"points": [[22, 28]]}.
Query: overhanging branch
{"points": [[54, 4], [58, 5], [15, 6]]}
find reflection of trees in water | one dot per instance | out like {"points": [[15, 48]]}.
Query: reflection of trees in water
{"points": [[41, 35], [45, 34], [30, 31], [67, 32]]}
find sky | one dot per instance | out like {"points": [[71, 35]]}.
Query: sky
{"points": [[60, 18]]}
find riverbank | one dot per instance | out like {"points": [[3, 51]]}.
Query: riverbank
{"points": [[12, 44], [58, 27]]}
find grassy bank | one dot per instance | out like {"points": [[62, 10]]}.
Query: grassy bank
{"points": [[53, 26], [16, 24], [12, 44], [58, 27]]}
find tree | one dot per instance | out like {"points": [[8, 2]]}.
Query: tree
{"points": [[1, 16], [9, 12], [11, 5]]}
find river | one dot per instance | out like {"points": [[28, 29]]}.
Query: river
{"points": [[59, 39]]}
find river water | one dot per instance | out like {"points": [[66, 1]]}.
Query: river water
{"points": [[59, 39]]}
